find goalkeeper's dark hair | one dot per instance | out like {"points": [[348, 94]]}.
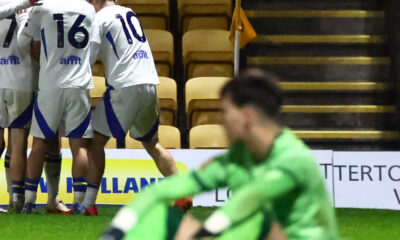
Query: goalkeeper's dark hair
{"points": [[258, 88]]}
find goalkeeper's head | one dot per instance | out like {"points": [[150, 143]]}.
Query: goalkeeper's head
{"points": [[251, 105]]}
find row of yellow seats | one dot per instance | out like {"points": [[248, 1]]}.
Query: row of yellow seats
{"points": [[193, 14], [206, 136], [205, 53]]}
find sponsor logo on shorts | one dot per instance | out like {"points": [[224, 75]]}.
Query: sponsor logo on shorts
{"points": [[11, 60], [141, 54], [71, 60]]}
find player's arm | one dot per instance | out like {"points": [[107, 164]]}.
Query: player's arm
{"points": [[249, 199], [95, 41], [30, 28], [94, 51], [15, 6], [170, 189]]}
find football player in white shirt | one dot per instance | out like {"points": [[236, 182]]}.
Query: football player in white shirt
{"points": [[16, 101], [7, 8], [18, 80], [15, 113], [65, 77], [130, 102]]}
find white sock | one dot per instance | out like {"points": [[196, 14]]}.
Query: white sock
{"points": [[78, 197], [31, 186], [79, 185], [18, 198], [18, 191], [30, 196], [91, 195]]}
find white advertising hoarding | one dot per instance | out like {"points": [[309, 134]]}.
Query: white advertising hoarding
{"points": [[367, 180], [353, 179]]}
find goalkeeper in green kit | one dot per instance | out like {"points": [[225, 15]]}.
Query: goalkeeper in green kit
{"points": [[278, 192]]}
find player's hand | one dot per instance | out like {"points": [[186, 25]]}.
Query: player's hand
{"points": [[36, 2]]}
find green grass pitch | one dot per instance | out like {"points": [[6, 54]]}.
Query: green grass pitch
{"points": [[354, 224]]}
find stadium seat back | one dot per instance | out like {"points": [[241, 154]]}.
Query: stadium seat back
{"points": [[97, 92], [207, 136], [203, 101], [30, 141], [162, 47], [153, 14], [169, 137], [167, 95], [6, 137], [206, 22], [98, 69], [207, 53], [204, 14]]}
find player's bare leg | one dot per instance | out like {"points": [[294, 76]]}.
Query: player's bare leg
{"points": [[166, 165], [276, 232], [6, 163], [96, 156], [52, 169], [34, 168], [163, 159], [18, 166], [187, 228], [79, 170]]}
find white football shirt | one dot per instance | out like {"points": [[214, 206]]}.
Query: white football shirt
{"points": [[119, 39], [65, 28], [16, 71]]}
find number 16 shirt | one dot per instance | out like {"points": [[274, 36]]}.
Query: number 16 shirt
{"points": [[65, 28]]}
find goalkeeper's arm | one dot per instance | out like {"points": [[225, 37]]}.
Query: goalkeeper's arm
{"points": [[249, 199]]}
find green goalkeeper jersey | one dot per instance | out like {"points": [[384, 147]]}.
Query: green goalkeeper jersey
{"points": [[286, 182]]}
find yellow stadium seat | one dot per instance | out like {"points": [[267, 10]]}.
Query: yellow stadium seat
{"points": [[162, 46], [6, 137], [98, 69], [203, 101], [111, 144], [97, 92], [207, 136], [154, 14], [30, 141], [64, 142], [169, 137], [167, 96], [204, 14], [207, 53]]}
